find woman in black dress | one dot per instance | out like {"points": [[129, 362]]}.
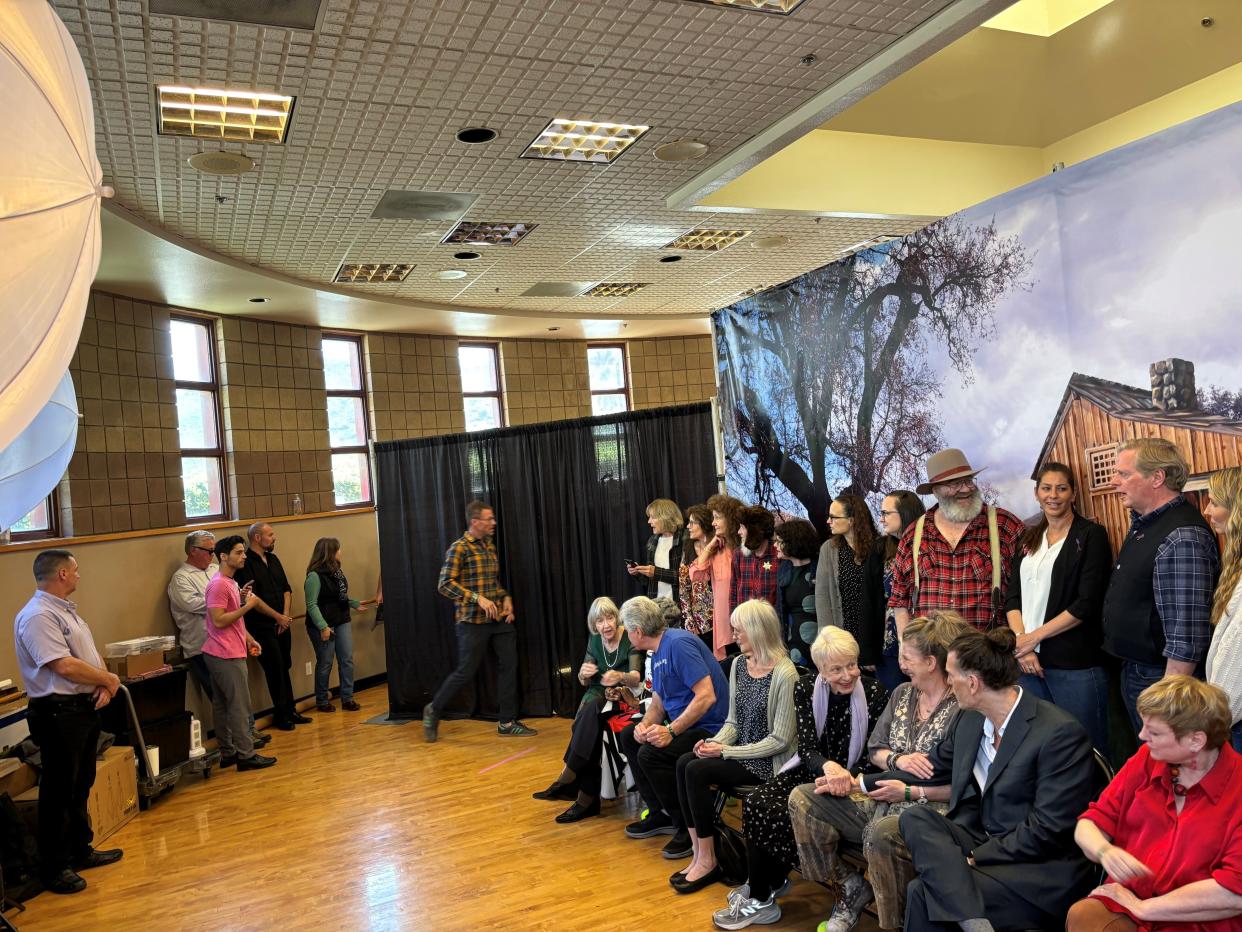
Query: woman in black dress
{"points": [[847, 558], [797, 545]]}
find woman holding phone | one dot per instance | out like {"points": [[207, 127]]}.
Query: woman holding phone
{"points": [[328, 623]]}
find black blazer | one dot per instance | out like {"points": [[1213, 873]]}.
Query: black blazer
{"points": [[873, 610], [1079, 580], [676, 555], [1041, 781]]}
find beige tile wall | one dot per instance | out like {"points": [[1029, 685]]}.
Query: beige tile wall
{"points": [[275, 417], [670, 370], [125, 474], [545, 380], [415, 386]]}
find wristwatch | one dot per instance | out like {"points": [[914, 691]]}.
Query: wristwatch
{"points": [[474, 598]]}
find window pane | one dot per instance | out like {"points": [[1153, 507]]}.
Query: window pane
{"points": [[191, 351], [204, 492], [36, 520], [351, 479], [478, 369], [196, 420], [608, 404], [482, 413], [346, 426], [607, 367], [342, 369]]}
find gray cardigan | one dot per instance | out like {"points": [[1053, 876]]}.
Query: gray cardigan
{"points": [[782, 739], [828, 609]]}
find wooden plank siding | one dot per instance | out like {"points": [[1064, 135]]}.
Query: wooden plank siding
{"points": [[1086, 425]]}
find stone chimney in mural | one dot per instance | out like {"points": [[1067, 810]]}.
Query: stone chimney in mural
{"points": [[1173, 385]]}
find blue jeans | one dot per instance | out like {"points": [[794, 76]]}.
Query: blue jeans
{"points": [[1135, 677], [342, 645], [1081, 693]]}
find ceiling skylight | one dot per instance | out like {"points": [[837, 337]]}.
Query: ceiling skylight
{"points": [[213, 113], [705, 240]]}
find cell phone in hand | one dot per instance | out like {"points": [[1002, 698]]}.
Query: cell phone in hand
{"points": [[629, 562]]}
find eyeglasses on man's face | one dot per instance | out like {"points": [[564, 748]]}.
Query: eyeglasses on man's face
{"points": [[205, 549], [956, 485]]}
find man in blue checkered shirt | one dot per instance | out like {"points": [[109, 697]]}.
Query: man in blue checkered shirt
{"points": [[1158, 605]]}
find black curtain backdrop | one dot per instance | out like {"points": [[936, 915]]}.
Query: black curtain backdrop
{"points": [[570, 499]]}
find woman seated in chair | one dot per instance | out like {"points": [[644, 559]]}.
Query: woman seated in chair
{"points": [[756, 740], [835, 711], [918, 715], [1168, 829], [610, 665]]}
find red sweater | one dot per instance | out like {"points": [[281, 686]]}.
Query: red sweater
{"points": [[1204, 842]]}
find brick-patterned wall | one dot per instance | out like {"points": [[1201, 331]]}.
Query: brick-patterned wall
{"points": [[275, 417], [545, 380], [414, 386], [670, 370], [125, 474]]}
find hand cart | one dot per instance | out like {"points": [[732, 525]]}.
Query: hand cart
{"points": [[153, 785]]}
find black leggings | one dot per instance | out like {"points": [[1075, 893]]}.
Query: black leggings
{"points": [[697, 781], [764, 870], [586, 745]]}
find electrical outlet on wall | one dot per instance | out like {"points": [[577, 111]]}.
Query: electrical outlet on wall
{"points": [[309, 668]]}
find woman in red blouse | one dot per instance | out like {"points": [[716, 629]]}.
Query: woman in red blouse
{"points": [[1168, 829]]}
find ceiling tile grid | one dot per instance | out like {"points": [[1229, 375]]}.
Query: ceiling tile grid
{"points": [[382, 88]]}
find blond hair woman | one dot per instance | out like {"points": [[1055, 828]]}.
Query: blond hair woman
{"points": [[1224, 659], [664, 550]]}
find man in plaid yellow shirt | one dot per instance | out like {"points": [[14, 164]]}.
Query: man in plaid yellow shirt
{"points": [[471, 578]]}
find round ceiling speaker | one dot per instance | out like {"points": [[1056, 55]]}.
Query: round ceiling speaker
{"points": [[449, 275], [475, 135], [221, 163], [465, 256], [683, 150]]}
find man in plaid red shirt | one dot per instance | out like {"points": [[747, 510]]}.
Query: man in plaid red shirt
{"points": [[955, 553]]}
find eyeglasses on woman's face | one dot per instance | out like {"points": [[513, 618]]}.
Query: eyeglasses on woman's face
{"points": [[832, 517], [888, 514]]}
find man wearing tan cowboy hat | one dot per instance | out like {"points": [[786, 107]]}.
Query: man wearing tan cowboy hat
{"points": [[964, 549]]}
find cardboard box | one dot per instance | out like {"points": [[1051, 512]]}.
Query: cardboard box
{"points": [[135, 665], [113, 800], [19, 779]]}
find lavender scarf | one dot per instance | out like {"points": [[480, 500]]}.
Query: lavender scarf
{"points": [[858, 720]]}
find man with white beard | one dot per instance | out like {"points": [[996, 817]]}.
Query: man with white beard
{"points": [[956, 542]]}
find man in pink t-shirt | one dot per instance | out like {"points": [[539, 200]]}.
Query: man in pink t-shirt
{"points": [[225, 653]]}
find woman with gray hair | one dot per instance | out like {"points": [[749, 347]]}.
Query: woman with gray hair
{"points": [[835, 711], [611, 664], [754, 743]]}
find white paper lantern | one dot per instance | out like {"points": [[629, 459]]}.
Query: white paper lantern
{"points": [[50, 190]]}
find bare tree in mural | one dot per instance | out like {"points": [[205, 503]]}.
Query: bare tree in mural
{"points": [[832, 386]]}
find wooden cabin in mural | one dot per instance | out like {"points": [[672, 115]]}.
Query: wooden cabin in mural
{"points": [[1097, 415]]}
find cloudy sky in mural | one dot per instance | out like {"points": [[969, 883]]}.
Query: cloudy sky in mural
{"points": [[1135, 259]]}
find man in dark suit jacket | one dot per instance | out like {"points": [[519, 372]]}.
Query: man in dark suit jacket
{"points": [[1021, 773]]}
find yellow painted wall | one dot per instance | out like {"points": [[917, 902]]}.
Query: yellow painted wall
{"points": [[123, 581]]}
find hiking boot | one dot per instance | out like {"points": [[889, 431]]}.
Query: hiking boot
{"points": [[853, 895]]}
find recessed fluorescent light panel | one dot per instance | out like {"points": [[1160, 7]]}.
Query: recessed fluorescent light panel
{"points": [[236, 115], [583, 141], [703, 240], [375, 273], [783, 7], [615, 289], [474, 233]]}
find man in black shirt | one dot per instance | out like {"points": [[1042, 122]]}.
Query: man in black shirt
{"points": [[269, 621]]}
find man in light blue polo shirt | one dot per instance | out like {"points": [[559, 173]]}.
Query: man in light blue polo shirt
{"points": [[67, 683], [689, 702]]}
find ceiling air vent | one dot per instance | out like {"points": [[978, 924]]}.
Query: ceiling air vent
{"points": [[423, 205], [556, 289], [476, 233], [291, 14], [704, 240], [375, 273], [615, 289]]}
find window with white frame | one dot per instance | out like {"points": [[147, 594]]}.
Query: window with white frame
{"points": [[198, 418], [347, 420], [610, 388], [482, 396]]}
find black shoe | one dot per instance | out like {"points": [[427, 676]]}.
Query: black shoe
{"points": [[654, 823], [228, 760], [65, 882], [679, 846], [283, 726], [577, 813], [299, 719], [260, 740], [431, 723], [715, 875], [97, 858], [558, 790], [257, 762]]}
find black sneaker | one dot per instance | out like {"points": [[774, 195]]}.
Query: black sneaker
{"points": [[299, 719], [257, 762], [228, 760], [515, 729], [97, 858], [260, 740], [652, 823], [679, 846], [64, 882]]}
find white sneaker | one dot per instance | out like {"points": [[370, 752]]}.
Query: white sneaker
{"points": [[744, 911], [744, 891]]}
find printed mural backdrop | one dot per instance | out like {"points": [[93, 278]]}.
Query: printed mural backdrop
{"points": [[967, 333]]}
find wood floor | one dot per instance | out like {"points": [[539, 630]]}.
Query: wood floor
{"points": [[367, 827]]}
